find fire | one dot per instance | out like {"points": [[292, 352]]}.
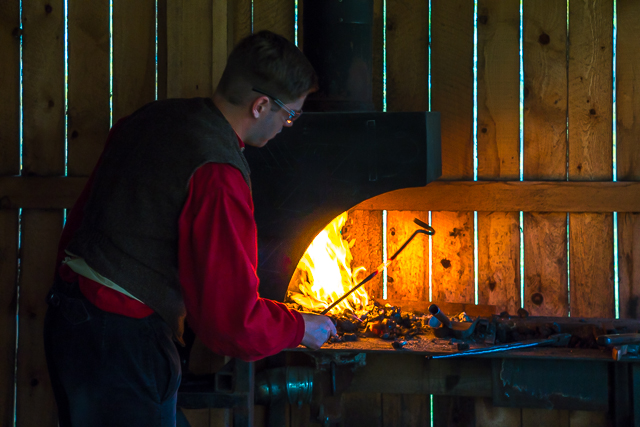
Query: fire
{"points": [[324, 273]]}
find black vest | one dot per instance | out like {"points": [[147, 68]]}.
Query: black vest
{"points": [[129, 231]]}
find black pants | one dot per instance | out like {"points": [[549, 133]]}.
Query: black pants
{"points": [[107, 369]]}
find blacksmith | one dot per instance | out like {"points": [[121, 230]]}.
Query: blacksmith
{"points": [[164, 231]]}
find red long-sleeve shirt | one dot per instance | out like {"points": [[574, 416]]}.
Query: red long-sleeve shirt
{"points": [[217, 267]]}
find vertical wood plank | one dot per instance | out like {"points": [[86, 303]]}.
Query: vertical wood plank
{"points": [[545, 146], [408, 276], [629, 262], [240, 24], [627, 84], [364, 229], [591, 259], [10, 84], [407, 49], [498, 90], [43, 89], [134, 53], [452, 83], [274, 15], [9, 165], [545, 90], [499, 260], [43, 74], [628, 151], [452, 245], [452, 95], [378, 60], [88, 86], [590, 153], [590, 89], [163, 49], [220, 17], [35, 402], [190, 49], [498, 149], [407, 44], [489, 416], [8, 301], [545, 246]]}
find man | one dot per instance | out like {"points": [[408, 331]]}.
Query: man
{"points": [[164, 231]]}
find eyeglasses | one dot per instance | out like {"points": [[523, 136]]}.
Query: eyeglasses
{"points": [[293, 114]]}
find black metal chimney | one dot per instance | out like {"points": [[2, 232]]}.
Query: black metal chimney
{"points": [[338, 41], [340, 154]]}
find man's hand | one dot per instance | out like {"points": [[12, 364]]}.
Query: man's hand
{"points": [[317, 330]]}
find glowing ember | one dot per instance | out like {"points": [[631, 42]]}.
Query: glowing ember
{"points": [[324, 273]]}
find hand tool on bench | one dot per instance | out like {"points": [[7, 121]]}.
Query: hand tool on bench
{"points": [[427, 230], [557, 340], [621, 344], [461, 330]]}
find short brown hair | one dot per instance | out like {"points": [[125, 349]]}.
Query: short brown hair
{"points": [[267, 61]]}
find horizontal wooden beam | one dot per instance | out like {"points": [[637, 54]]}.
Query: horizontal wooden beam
{"points": [[32, 192], [512, 196], [491, 196]]}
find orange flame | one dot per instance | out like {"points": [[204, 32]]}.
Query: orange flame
{"points": [[324, 273]]}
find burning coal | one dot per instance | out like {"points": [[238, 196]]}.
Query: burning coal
{"points": [[325, 273]]}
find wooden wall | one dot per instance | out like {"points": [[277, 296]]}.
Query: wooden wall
{"points": [[567, 228]]}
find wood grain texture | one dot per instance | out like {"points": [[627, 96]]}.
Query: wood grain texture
{"points": [[498, 90], [499, 260], [220, 42], [88, 86], [134, 52], [544, 417], [590, 90], [408, 275], [8, 301], [628, 150], [591, 265], [498, 149], [628, 91], [590, 153], [489, 416], [545, 90], [504, 196], [10, 84], [452, 246], [545, 158], [406, 410], [162, 49], [377, 63], [9, 165], [274, 15], [452, 83], [364, 229], [43, 87], [629, 263], [545, 254], [190, 48], [40, 234], [407, 49], [240, 24]]}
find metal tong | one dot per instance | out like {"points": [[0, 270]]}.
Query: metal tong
{"points": [[427, 230]]}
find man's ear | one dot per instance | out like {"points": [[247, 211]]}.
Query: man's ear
{"points": [[260, 105]]}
